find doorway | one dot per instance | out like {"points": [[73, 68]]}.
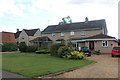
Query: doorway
{"points": [[91, 45]]}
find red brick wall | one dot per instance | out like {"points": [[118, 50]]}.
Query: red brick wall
{"points": [[7, 37]]}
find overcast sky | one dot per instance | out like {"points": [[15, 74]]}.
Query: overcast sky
{"points": [[30, 14]]}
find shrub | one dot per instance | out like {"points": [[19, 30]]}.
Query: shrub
{"points": [[22, 47], [64, 50], [54, 49], [74, 55], [9, 47], [97, 52], [31, 48], [43, 51]]}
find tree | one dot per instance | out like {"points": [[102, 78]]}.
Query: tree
{"points": [[66, 20]]}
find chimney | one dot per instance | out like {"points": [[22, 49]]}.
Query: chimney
{"points": [[86, 19], [17, 30]]}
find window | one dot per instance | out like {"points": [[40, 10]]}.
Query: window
{"points": [[104, 43], [71, 33], [62, 34], [53, 35], [82, 33], [23, 38]]}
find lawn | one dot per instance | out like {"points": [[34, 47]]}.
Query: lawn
{"points": [[33, 65]]}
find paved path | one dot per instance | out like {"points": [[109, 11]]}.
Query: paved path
{"points": [[106, 67], [6, 74]]}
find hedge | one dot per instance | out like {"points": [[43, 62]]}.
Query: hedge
{"points": [[9, 47]]}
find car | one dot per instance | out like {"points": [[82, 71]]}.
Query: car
{"points": [[115, 51], [86, 50]]}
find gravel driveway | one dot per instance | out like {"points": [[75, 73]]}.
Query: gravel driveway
{"points": [[106, 67]]}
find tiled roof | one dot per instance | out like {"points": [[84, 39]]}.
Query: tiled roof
{"points": [[41, 39], [7, 37], [60, 39], [31, 32], [17, 34], [98, 36], [95, 24]]}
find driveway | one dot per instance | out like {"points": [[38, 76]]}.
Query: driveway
{"points": [[106, 67]]}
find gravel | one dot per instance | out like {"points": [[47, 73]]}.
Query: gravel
{"points": [[106, 67]]}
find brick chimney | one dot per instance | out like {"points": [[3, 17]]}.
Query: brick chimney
{"points": [[17, 30], [86, 19]]}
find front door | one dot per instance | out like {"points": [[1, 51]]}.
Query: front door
{"points": [[91, 45]]}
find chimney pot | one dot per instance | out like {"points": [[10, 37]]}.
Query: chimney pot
{"points": [[86, 19], [17, 30]]}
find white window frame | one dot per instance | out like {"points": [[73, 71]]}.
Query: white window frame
{"points": [[53, 34], [82, 33], [106, 43], [72, 33], [61, 34]]}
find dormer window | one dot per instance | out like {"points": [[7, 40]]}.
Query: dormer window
{"points": [[72, 33], [53, 35], [62, 34], [82, 33]]}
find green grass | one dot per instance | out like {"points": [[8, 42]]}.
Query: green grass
{"points": [[33, 65]]}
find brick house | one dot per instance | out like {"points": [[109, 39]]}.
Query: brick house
{"points": [[91, 34], [7, 37], [25, 35]]}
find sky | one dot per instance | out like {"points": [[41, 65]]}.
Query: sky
{"points": [[31, 14]]}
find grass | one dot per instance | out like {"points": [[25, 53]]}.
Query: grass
{"points": [[34, 65]]}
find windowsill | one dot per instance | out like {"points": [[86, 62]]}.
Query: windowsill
{"points": [[61, 36], [105, 46]]}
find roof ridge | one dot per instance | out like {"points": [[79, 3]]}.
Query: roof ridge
{"points": [[76, 22]]}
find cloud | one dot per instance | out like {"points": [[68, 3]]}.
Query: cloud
{"points": [[38, 12], [9, 7], [105, 2]]}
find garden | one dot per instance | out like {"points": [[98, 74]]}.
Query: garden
{"points": [[32, 63]]}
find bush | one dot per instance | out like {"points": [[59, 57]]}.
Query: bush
{"points": [[43, 51], [54, 49], [62, 51], [9, 47], [31, 48], [22, 47], [74, 55], [97, 52]]}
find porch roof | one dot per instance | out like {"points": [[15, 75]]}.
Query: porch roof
{"points": [[41, 39], [95, 38], [60, 39]]}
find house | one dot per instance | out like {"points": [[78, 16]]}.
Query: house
{"points": [[42, 41], [25, 35], [91, 34], [7, 37]]}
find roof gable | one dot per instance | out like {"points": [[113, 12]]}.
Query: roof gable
{"points": [[31, 32], [17, 34], [96, 24]]}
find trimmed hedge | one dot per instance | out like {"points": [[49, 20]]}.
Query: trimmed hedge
{"points": [[22, 47], [31, 48], [43, 51], [9, 47]]}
